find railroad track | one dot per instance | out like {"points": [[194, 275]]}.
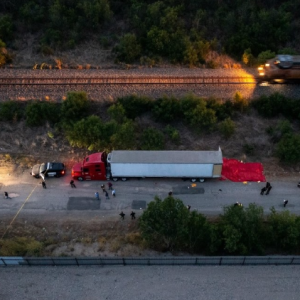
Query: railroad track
{"points": [[125, 80]]}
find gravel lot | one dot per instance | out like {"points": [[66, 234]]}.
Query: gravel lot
{"points": [[206, 282]]}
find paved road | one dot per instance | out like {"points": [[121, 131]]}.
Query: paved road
{"points": [[151, 283], [208, 198]]}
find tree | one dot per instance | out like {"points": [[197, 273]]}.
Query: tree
{"points": [[75, 107], [163, 224], [287, 149], [152, 139], [128, 49]]}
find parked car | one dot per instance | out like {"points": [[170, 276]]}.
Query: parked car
{"points": [[49, 169]]}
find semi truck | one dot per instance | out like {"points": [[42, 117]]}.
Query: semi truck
{"points": [[124, 164]]}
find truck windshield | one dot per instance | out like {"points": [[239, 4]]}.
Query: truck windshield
{"points": [[43, 168]]}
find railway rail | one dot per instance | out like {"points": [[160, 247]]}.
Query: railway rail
{"points": [[6, 81]]}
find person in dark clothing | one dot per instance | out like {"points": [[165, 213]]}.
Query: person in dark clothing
{"points": [[106, 195], [132, 215], [103, 188], [122, 215], [262, 191], [44, 184], [285, 202], [188, 207], [6, 195], [110, 186], [268, 185], [72, 184], [268, 190], [170, 193], [298, 185]]}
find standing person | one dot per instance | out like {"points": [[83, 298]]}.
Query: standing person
{"points": [[113, 192], [268, 185], [285, 202], [188, 207], [170, 194], [6, 195], [72, 184], [109, 186], [106, 195], [97, 196], [132, 215], [103, 188], [262, 191], [122, 215], [268, 190], [44, 184]]}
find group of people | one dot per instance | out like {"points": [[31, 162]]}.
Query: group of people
{"points": [[266, 189], [122, 215]]}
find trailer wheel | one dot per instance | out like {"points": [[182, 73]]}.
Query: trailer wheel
{"points": [[201, 179], [115, 179], [80, 178], [124, 178], [193, 179]]}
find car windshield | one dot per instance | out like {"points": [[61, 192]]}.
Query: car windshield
{"points": [[43, 168]]}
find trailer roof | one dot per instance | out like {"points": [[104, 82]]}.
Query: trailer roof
{"points": [[161, 157]]}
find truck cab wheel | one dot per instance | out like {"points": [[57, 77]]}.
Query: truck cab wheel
{"points": [[124, 178], [80, 179]]}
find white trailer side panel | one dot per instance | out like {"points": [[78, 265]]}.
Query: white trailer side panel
{"points": [[162, 170]]}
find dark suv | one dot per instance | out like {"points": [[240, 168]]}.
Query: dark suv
{"points": [[49, 169]]}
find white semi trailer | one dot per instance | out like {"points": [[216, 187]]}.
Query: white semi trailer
{"points": [[193, 165]]}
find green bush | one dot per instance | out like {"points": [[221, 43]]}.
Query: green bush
{"points": [[227, 128], [88, 133], [223, 110], [75, 107], [173, 134], [270, 106], [240, 103], [128, 49], [38, 112], [117, 112], [135, 105], [152, 139], [167, 109], [11, 111], [284, 231], [287, 149], [125, 136], [264, 56]]}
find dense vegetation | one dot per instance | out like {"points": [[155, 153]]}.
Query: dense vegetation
{"points": [[181, 31], [78, 120], [168, 225]]}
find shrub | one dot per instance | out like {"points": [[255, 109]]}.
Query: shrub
{"points": [[117, 112], [270, 106], [264, 56], [287, 149], [223, 110], [125, 136], [284, 230], [240, 103], [227, 128], [10, 110], [38, 112], [135, 105], [128, 49], [173, 134], [152, 139], [75, 107], [167, 109]]}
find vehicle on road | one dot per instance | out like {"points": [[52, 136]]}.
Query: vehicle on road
{"points": [[122, 164], [280, 68], [49, 169]]}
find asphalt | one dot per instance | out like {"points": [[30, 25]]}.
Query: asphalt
{"points": [[209, 198]]}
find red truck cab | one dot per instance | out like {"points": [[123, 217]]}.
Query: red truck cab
{"points": [[93, 167]]}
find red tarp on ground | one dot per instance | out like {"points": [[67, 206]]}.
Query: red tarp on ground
{"points": [[237, 171]]}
